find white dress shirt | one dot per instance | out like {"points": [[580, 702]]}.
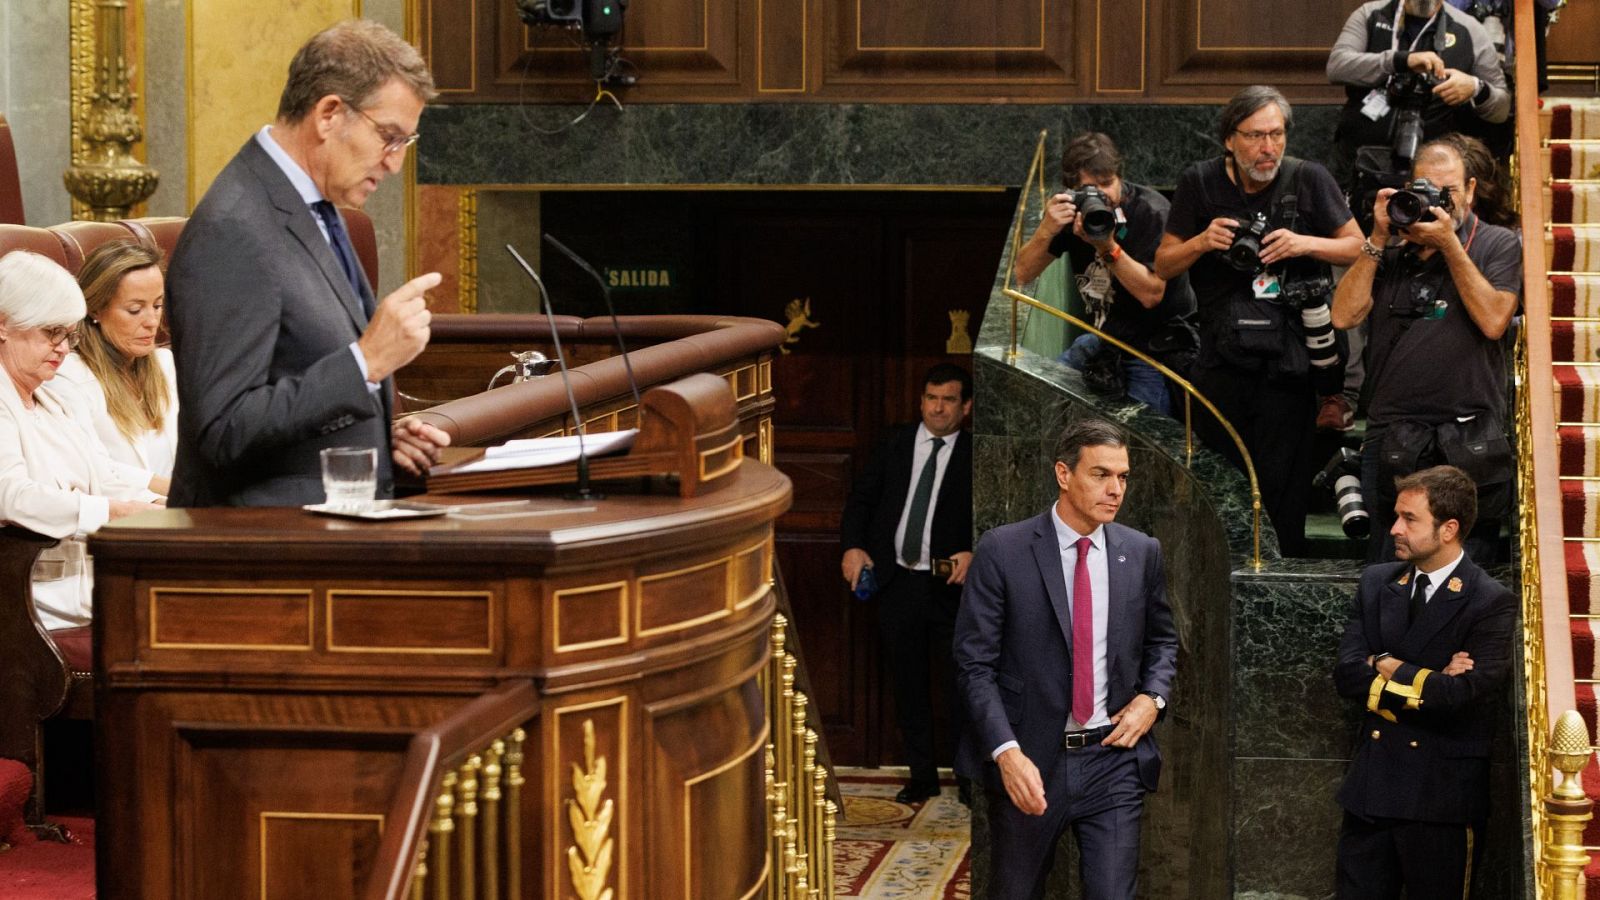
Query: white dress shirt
{"points": [[308, 191], [56, 479], [150, 452], [922, 449], [1438, 576]]}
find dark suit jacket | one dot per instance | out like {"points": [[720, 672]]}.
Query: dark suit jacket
{"points": [[879, 497], [1432, 763], [1013, 644], [262, 317]]}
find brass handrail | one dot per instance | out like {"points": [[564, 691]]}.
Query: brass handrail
{"points": [[1189, 392], [1035, 181]]}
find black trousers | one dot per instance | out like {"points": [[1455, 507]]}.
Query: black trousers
{"points": [[1429, 860], [917, 617], [1277, 420]]}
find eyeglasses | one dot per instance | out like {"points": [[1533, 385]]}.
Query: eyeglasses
{"points": [[391, 144], [1277, 136], [58, 333]]}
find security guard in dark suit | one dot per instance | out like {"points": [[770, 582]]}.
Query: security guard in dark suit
{"points": [[1427, 651]]}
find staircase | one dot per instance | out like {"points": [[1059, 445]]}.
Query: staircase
{"points": [[1571, 166]]}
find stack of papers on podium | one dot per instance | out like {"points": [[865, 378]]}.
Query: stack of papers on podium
{"points": [[536, 453]]}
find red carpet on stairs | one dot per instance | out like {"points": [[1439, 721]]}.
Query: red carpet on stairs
{"points": [[1572, 252]]}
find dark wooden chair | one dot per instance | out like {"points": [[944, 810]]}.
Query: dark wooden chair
{"points": [[10, 179], [43, 674]]}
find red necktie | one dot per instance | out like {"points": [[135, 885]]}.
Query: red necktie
{"points": [[1082, 638]]}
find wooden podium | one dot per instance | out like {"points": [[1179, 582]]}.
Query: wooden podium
{"points": [[259, 674]]}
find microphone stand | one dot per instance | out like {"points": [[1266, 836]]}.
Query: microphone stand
{"points": [[605, 293], [582, 491]]}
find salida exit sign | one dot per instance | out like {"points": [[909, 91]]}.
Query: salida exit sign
{"points": [[640, 279]]}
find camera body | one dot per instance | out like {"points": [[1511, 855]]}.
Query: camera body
{"points": [[1409, 94], [1414, 203], [1094, 211], [1302, 292], [1244, 253]]}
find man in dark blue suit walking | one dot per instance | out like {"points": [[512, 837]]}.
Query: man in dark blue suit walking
{"points": [[1065, 653]]}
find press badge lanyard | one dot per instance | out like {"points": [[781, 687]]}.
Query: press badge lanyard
{"points": [[1399, 16]]}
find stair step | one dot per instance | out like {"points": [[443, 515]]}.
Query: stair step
{"points": [[1571, 160], [1580, 508], [1572, 248], [1572, 201], [1577, 394], [1565, 119], [1575, 342], [1575, 295], [1578, 451]]}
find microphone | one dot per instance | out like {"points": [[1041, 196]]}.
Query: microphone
{"points": [[582, 492], [605, 293]]}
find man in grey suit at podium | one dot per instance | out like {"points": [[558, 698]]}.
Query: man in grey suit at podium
{"points": [[279, 346], [1065, 652]]}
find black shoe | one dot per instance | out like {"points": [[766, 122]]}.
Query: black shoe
{"points": [[964, 791], [917, 791]]}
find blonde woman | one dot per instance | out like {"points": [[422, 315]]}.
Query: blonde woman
{"points": [[125, 383], [55, 475]]}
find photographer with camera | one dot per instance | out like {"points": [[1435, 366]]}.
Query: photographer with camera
{"points": [[1256, 230], [1109, 229], [1439, 301], [1412, 70]]}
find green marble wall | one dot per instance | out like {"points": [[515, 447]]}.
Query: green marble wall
{"points": [[813, 143]]}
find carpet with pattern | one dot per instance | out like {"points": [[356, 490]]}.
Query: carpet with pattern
{"points": [[884, 849]]}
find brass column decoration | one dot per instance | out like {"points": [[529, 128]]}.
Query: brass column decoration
{"points": [[106, 177], [1567, 809], [467, 241]]}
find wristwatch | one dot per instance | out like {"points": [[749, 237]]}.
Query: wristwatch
{"points": [[1380, 657], [1161, 703]]}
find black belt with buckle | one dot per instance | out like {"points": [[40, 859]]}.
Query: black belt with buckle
{"points": [[1077, 740]]}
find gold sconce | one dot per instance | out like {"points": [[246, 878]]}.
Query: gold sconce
{"points": [[105, 176]]}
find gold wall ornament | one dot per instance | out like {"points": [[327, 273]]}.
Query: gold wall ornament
{"points": [[799, 314], [467, 243], [106, 177], [589, 860], [959, 341]]}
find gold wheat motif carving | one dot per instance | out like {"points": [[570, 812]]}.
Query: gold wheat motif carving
{"points": [[589, 860]]}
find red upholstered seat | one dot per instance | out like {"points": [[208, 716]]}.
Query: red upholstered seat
{"points": [[76, 647]]}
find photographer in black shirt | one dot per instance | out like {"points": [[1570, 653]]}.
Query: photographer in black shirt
{"points": [[1440, 301], [1267, 350], [1111, 256]]}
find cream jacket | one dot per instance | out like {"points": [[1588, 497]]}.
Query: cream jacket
{"points": [[152, 452]]}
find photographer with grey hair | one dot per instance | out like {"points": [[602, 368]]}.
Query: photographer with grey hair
{"points": [[1257, 230]]}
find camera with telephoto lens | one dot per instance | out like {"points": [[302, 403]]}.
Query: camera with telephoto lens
{"points": [[1343, 471], [1415, 202], [1095, 212], [1244, 253], [1409, 93]]}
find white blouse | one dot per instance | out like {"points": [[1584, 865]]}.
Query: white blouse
{"points": [[56, 479], [152, 451]]}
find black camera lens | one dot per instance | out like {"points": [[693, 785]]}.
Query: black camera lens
{"points": [[1244, 253], [1098, 218], [1415, 203]]}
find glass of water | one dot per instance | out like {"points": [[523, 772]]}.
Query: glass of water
{"points": [[350, 476]]}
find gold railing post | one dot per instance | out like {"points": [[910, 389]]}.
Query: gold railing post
{"points": [[1035, 172], [440, 831], [830, 819], [419, 876], [799, 778], [514, 782], [1567, 809], [489, 833], [467, 826]]}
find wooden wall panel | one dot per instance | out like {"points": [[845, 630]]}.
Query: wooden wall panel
{"points": [[1213, 47], [901, 51], [782, 47], [966, 47]]}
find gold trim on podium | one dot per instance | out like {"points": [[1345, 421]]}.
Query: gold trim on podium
{"points": [[490, 623], [621, 587], [306, 593]]}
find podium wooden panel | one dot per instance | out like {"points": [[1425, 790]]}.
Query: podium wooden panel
{"points": [[259, 673]]}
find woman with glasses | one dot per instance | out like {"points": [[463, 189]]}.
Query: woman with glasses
{"points": [[126, 383], [56, 477]]}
